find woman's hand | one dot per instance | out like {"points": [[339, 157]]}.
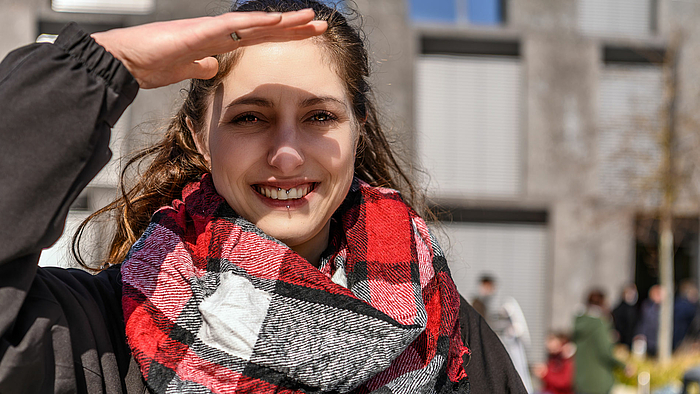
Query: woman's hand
{"points": [[163, 53]]}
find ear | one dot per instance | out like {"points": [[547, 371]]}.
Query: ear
{"points": [[200, 140]]}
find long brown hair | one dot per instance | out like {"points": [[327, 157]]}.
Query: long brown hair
{"points": [[175, 161]]}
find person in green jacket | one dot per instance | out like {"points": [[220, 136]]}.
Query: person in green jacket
{"points": [[594, 359]]}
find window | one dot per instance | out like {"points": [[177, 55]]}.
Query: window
{"points": [[618, 18], [477, 12], [48, 30], [468, 119], [104, 6], [81, 203], [685, 254], [629, 105]]}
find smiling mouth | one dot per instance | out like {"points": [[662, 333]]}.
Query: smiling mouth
{"points": [[277, 193]]}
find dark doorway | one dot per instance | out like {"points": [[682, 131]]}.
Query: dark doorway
{"points": [[685, 236]]}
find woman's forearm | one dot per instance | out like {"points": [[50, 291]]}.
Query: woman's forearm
{"points": [[59, 102]]}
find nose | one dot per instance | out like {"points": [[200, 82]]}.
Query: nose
{"points": [[286, 150]]}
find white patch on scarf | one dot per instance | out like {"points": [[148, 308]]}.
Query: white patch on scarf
{"points": [[233, 315], [340, 278]]}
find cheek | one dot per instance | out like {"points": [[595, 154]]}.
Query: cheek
{"points": [[230, 157], [344, 163], [345, 168]]}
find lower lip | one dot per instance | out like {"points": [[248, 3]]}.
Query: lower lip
{"points": [[284, 204]]}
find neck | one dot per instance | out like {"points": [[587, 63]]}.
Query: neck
{"points": [[312, 249]]}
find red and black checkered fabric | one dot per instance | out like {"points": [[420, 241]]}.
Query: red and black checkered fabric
{"points": [[212, 304]]}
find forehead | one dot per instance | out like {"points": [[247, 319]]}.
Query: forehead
{"points": [[270, 68]]}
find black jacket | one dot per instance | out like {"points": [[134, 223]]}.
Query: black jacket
{"points": [[62, 330]]}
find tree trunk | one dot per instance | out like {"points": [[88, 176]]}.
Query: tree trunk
{"points": [[669, 187], [666, 279]]}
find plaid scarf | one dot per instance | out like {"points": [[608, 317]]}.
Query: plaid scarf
{"points": [[213, 304]]}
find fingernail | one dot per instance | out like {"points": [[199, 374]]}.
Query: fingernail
{"points": [[277, 14]]}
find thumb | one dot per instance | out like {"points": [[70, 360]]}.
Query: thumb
{"points": [[203, 69]]}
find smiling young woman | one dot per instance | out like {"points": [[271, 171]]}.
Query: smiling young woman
{"points": [[265, 247], [281, 142]]}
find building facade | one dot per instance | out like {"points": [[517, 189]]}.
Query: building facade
{"points": [[538, 124]]}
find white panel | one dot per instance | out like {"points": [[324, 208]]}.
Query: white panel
{"points": [[620, 18], [59, 254], [104, 6], [629, 125], [516, 256], [468, 112], [109, 175]]}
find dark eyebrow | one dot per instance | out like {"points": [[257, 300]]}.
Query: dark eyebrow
{"points": [[262, 102], [246, 100], [321, 100]]}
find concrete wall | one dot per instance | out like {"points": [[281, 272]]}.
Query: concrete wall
{"points": [[593, 247], [562, 73], [561, 81], [17, 25], [392, 49]]}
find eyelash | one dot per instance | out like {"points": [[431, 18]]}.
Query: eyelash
{"points": [[329, 117], [245, 118]]}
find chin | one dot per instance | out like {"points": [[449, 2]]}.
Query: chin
{"points": [[290, 235]]}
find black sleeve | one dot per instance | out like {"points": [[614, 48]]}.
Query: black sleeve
{"points": [[60, 330], [58, 104], [489, 368]]}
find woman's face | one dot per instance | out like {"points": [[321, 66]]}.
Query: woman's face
{"points": [[280, 140]]}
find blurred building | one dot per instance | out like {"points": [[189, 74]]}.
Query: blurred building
{"points": [[538, 123], [535, 122]]}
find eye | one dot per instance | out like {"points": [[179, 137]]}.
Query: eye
{"points": [[245, 120], [322, 117]]}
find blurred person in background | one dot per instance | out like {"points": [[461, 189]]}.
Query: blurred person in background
{"points": [[508, 321], [684, 310], [478, 336], [594, 358], [625, 315], [648, 326], [485, 294], [557, 375], [510, 325]]}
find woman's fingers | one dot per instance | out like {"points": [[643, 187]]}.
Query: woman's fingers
{"points": [[246, 24], [234, 21], [310, 29], [274, 38], [203, 69]]}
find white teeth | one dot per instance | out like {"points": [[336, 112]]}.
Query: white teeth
{"points": [[284, 194]]}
